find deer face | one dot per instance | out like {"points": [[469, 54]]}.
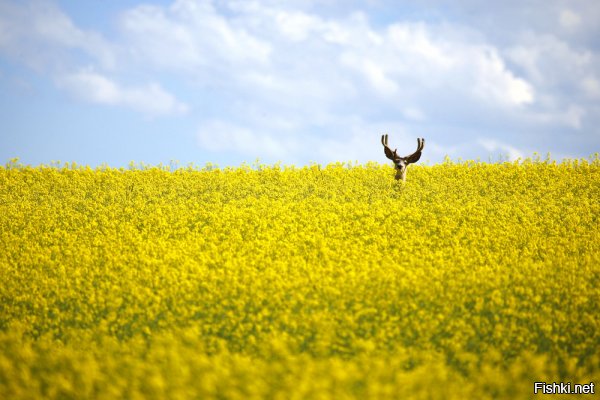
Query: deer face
{"points": [[401, 163]]}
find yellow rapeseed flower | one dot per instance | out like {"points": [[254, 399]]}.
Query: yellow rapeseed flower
{"points": [[470, 280]]}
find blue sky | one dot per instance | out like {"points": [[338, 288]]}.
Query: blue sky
{"points": [[299, 81]]}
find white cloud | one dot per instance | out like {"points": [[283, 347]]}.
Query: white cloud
{"points": [[150, 99], [573, 116], [39, 34], [494, 82], [297, 26], [501, 149], [189, 35], [570, 116], [591, 86], [373, 73], [569, 19], [287, 79], [429, 74], [563, 76], [548, 60], [224, 136], [415, 59], [414, 113], [356, 140], [256, 45]]}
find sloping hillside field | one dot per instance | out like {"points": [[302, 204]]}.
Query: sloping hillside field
{"points": [[470, 280]]}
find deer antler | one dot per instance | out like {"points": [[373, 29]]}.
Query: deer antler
{"points": [[414, 157], [392, 155]]}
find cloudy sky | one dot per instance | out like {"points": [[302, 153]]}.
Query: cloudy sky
{"points": [[298, 81]]}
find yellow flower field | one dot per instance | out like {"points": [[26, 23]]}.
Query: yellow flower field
{"points": [[470, 280]]}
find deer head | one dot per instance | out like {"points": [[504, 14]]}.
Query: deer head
{"points": [[401, 163]]}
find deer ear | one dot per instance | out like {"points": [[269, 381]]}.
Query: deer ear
{"points": [[413, 158]]}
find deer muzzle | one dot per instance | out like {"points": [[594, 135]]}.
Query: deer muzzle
{"points": [[400, 172]]}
